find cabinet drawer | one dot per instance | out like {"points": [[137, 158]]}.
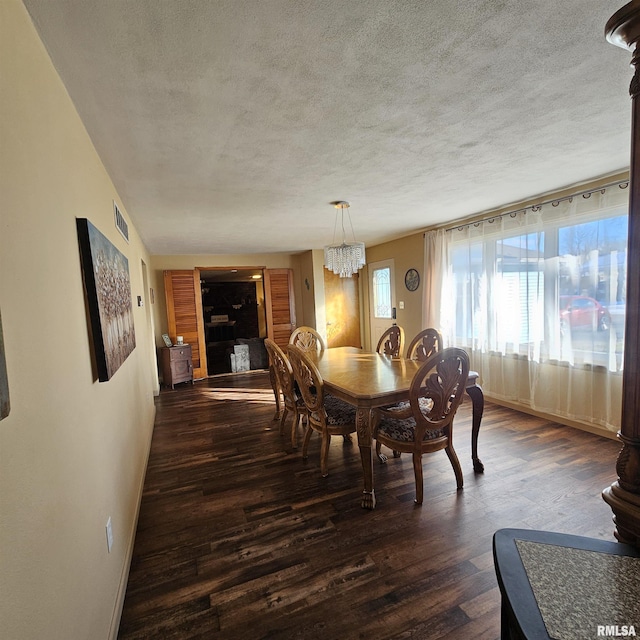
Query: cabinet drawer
{"points": [[180, 353]]}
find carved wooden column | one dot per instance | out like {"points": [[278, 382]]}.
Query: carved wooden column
{"points": [[623, 30]]}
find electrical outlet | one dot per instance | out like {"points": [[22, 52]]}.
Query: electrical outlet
{"points": [[109, 535], [401, 304]]}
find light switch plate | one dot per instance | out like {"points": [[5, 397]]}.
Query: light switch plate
{"points": [[109, 535]]}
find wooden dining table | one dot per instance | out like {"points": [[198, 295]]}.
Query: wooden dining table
{"points": [[371, 380]]}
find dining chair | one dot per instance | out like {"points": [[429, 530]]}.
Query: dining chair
{"points": [[434, 397], [391, 342], [327, 415], [425, 344], [292, 400], [307, 339]]}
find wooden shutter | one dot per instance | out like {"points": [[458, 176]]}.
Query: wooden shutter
{"points": [[280, 304], [184, 315]]}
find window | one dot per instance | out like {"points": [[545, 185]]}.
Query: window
{"points": [[537, 299], [382, 293], [547, 288]]}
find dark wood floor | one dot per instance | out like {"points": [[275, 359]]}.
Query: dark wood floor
{"points": [[239, 537]]}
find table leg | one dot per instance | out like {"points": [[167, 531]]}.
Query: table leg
{"points": [[505, 633], [364, 428], [477, 401]]}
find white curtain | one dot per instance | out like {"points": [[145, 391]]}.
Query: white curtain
{"points": [[537, 298], [436, 266]]}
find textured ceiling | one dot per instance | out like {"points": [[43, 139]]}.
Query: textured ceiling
{"points": [[228, 126]]}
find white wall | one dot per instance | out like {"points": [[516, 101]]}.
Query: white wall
{"points": [[72, 450]]}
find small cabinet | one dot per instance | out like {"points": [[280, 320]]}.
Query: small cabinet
{"points": [[176, 364]]}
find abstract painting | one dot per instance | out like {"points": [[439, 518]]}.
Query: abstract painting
{"points": [[4, 381], [108, 291]]}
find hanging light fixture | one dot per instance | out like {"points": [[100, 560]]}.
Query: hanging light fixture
{"points": [[346, 258]]}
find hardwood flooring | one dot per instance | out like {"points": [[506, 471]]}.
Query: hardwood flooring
{"points": [[238, 537]]}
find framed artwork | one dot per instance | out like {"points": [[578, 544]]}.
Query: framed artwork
{"points": [[108, 291], [4, 380], [167, 340]]}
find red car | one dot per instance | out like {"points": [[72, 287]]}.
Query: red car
{"points": [[582, 313]]}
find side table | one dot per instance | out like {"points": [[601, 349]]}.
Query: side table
{"points": [[176, 364], [564, 587]]}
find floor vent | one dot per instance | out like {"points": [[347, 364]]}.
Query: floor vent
{"points": [[121, 223]]}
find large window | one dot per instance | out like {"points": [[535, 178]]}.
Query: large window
{"points": [[546, 287], [537, 298]]}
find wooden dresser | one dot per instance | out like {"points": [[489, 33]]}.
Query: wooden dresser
{"points": [[176, 364]]}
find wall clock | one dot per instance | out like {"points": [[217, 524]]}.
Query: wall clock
{"points": [[412, 279]]}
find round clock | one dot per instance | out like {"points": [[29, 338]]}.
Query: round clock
{"points": [[412, 279]]}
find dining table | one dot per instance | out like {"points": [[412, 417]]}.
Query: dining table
{"points": [[372, 380]]}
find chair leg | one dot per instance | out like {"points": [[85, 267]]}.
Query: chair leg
{"points": [[282, 419], [381, 456], [324, 455], [305, 442], [417, 471], [276, 391], [297, 418], [455, 463]]}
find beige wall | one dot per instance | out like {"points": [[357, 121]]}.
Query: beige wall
{"points": [[306, 303], [72, 450], [407, 253]]}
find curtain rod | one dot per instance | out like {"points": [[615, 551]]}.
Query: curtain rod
{"points": [[536, 207]]}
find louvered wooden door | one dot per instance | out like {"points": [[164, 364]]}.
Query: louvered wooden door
{"points": [[280, 304], [184, 315]]}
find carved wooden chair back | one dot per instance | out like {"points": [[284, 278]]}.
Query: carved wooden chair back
{"points": [[425, 344], [327, 415], [307, 339], [391, 342], [434, 396], [286, 384], [308, 379]]}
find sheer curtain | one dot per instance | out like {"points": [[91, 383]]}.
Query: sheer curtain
{"points": [[537, 298], [436, 266]]}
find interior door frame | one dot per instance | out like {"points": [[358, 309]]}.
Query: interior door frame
{"points": [[198, 271], [346, 290], [200, 320]]}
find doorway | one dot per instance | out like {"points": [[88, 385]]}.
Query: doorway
{"points": [[233, 307], [271, 297]]}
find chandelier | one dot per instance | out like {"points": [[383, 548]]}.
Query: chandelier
{"points": [[346, 258]]}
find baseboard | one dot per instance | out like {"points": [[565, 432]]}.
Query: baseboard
{"points": [[576, 424], [124, 578]]}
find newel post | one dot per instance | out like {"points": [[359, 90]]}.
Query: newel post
{"points": [[623, 496]]}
